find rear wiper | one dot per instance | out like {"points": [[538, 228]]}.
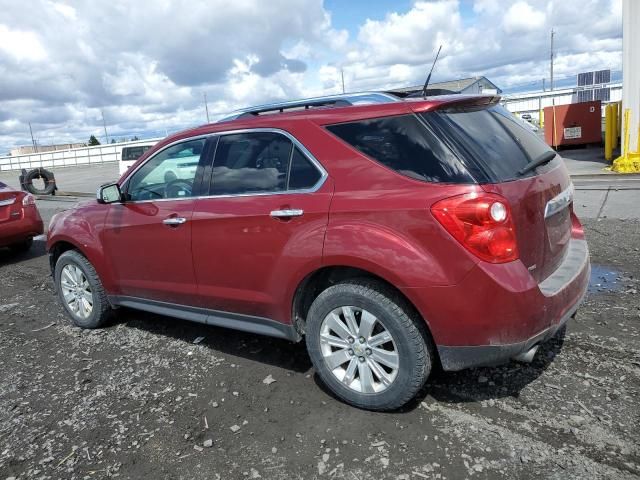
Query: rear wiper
{"points": [[543, 159]]}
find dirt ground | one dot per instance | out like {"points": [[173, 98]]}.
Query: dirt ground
{"points": [[148, 398]]}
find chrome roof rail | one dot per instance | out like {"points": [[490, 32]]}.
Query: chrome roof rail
{"points": [[342, 100]]}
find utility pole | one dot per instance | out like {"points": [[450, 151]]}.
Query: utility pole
{"points": [[104, 124], [206, 107], [544, 88], [551, 60], [35, 147], [342, 75]]}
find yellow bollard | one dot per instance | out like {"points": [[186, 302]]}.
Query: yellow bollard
{"points": [[608, 133], [541, 118], [628, 162], [620, 119], [614, 125]]}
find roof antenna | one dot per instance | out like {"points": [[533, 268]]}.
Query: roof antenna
{"points": [[426, 84]]}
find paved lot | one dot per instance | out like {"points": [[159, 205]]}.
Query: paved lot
{"points": [[143, 399]]}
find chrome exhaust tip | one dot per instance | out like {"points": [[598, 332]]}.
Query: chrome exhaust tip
{"points": [[527, 356]]}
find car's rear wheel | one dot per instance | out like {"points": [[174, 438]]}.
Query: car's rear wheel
{"points": [[367, 345], [80, 291]]}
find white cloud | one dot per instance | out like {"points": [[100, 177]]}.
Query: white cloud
{"points": [[523, 17], [146, 64], [21, 45]]}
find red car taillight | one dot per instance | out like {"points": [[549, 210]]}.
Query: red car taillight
{"points": [[481, 222], [28, 200]]}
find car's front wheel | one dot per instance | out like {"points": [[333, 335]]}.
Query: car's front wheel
{"points": [[80, 290], [367, 345]]}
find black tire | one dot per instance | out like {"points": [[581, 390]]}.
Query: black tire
{"points": [[400, 320], [101, 312], [22, 247], [46, 175]]}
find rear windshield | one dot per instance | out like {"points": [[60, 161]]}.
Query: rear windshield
{"points": [[497, 142], [404, 144], [133, 153], [2, 185]]}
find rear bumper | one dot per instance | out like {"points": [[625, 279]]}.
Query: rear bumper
{"points": [[461, 357], [499, 311], [21, 229]]}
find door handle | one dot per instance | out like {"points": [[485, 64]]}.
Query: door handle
{"points": [[174, 221], [286, 213]]}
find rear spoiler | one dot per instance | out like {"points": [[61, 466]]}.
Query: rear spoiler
{"points": [[455, 102]]}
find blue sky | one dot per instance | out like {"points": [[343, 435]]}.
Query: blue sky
{"points": [[146, 64]]}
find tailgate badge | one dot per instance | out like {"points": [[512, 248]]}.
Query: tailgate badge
{"points": [[532, 267]]}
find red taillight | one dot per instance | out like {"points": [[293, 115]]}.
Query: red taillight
{"points": [[28, 200], [482, 223]]}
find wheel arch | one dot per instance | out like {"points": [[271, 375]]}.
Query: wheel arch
{"points": [[61, 244], [319, 280]]}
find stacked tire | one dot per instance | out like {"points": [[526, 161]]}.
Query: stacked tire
{"points": [[27, 178]]}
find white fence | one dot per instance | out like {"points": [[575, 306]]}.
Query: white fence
{"points": [[532, 102], [68, 158]]}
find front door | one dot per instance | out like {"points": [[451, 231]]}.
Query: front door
{"points": [[262, 225], [148, 236]]}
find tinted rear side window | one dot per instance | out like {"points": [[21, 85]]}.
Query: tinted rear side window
{"points": [[406, 145], [491, 138]]}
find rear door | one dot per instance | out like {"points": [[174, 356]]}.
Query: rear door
{"points": [[262, 226], [499, 146], [148, 237]]}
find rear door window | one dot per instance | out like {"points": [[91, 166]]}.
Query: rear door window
{"points": [[303, 174], [405, 145], [251, 163], [492, 139]]}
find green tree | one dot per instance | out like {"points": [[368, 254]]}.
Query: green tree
{"points": [[93, 141]]}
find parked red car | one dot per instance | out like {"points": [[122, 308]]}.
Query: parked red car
{"points": [[19, 219], [389, 233]]}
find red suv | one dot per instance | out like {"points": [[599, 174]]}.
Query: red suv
{"points": [[390, 233]]}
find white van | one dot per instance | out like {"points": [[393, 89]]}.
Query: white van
{"points": [[132, 153]]}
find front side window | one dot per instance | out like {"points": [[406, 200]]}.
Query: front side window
{"points": [[251, 162], [169, 174]]}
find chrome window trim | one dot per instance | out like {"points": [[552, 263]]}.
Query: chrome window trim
{"points": [[294, 140], [559, 202]]}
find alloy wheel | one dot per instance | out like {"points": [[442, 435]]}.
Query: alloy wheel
{"points": [[359, 350], [76, 291]]}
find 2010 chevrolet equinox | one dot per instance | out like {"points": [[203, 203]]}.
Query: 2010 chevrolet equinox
{"points": [[388, 233]]}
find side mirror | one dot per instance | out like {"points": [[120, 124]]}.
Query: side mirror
{"points": [[109, 193]]}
